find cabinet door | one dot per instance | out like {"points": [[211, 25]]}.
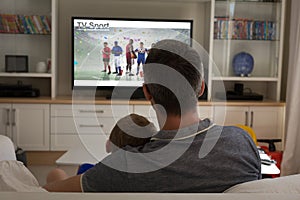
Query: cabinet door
{"points": [[205, 112], [231, 115], [268, 123], [5, 125], [31, 126]]}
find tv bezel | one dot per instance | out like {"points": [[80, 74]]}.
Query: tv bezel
{"points": [[191, 21]]}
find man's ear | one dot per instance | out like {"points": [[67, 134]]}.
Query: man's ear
{"points": [[202, 88], [147, 93]]}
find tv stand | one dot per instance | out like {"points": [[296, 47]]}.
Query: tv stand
{"points": [[124, 93]]}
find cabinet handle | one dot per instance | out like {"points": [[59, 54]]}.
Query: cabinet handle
{"points": [[92, 111], [246, 118], [252, 116], [91, 126], [7, 117], [13, 117]]}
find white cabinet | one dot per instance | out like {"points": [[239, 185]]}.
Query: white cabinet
{"points": [[26, 124], [30, 127], [58, 127], [5, 128], [231, 115], [266, 121], [71, 123]]}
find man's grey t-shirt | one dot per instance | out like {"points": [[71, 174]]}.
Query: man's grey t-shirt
{"points": [[211, 161]]}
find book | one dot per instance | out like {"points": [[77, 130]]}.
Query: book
{"points": [[20, 24], [37, 24], [28, 25], [1, 25], [33, 26]]}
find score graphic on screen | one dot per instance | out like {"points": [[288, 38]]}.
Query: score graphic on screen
{"points": [[111, 52]]}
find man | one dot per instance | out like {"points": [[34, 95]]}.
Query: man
{"points": [[187, 154], [117, 51], [141, 56], [106, 57], [129, 50]]}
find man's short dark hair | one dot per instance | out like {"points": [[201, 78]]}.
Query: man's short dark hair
{"points": [[174, 55]]}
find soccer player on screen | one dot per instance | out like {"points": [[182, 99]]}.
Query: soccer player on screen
{"points": [[106, 57], [129, 49], [117, 51], [141, 56]]}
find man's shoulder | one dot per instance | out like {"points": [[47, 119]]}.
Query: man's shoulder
{"points": [[232, 136], [232, 131]]}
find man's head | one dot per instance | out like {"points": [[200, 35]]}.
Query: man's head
{"points": [[116, 43], [173, 76], [141, 44], [133, 130], [105, 44], [131, 41]]}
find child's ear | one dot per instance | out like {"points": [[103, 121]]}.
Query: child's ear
{"points": [[108, 146]]}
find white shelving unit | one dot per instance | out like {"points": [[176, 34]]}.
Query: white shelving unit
{"points": [[267, 52], [38, 47]]}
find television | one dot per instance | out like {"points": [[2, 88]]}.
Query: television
{"points": [[89, 35]]}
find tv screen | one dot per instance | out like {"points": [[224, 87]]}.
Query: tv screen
{"points": [[111, 52]]}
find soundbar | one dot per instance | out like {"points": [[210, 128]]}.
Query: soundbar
{"points": [[18, 90], [242, 97], [20, 93]]}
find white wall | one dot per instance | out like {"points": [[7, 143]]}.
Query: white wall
{"points": [[197, 11]]}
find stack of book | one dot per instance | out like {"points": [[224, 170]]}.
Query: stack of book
{"points": [[244, 29], [25, 24]]}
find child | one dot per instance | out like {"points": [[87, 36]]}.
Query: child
{"points": [[141, 56], [106, 57], [133, 130]]}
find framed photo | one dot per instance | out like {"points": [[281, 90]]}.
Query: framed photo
{"points": [[16, 63]]}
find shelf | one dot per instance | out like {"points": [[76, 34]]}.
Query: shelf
{"points": [[244, 40], [26, 75], [262, 79], [247, 2], [11, 33]]}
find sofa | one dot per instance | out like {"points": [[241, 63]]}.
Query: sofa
{"points": [[15, 177]]}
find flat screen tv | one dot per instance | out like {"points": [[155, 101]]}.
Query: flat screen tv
{"points": [[90, 34]]}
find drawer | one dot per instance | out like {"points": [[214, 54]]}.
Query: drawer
{"points": [[65, 142], [73, 126], [88, 110]]}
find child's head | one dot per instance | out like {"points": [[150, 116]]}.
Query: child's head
{"points": [[133, 130], [105, 44]]}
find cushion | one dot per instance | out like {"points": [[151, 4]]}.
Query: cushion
{"points": [[15, 177], [287, 185]]}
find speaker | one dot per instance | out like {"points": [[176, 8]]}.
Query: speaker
{"points": [[239, 88], [16, 63]]}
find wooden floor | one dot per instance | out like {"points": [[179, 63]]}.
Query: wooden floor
{"points": [[41, 162]]}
